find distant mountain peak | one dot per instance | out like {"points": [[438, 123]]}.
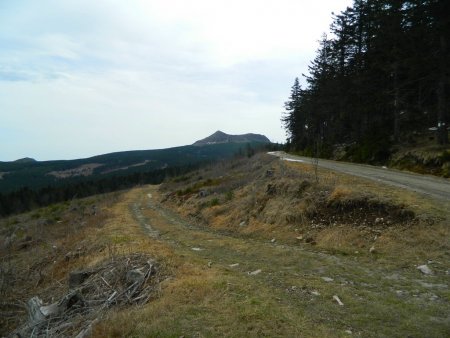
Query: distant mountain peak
{"points": [[219, 133], [25, 160], [221, 137]]}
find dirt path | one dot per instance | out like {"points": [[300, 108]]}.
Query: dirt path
{"points": [[378, 300], [428, 185]]}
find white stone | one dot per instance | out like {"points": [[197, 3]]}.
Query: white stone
{"points": [[425, 269], [336, 298]]}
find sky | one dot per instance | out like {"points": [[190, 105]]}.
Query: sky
{"points": [[80, 78]]}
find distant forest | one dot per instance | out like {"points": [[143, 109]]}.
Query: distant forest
{"points": [[380, 77], [27, 197]]}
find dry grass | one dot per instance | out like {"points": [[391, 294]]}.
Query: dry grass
{"points": [[340, 213], [426, 237], [203, 296], [203, 301]]}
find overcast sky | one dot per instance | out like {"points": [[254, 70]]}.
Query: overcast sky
{"points": [[81, 77]]}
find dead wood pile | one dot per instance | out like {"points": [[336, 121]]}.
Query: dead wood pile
{"points": [[119, 282]]}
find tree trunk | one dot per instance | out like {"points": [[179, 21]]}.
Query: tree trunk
{"points": [[442, 133], [396, 105]]}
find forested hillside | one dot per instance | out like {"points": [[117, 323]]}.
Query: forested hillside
{"points": [[379, 77], [30, 184]]}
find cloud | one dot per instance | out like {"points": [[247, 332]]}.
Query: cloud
{"points": [[80, 77]]}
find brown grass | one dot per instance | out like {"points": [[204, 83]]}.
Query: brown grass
{"points": [[206, 297]]}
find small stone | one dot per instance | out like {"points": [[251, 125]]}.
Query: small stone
{"points": [[197, 249], [234, 265], [299, 237], [433, 297], [348, 331], [209, 264], [379, 220], [273, 240], [327, 279], [243, 224], [372, 249], [336, 298], [425, 269], [315, 293], [256, 272]]}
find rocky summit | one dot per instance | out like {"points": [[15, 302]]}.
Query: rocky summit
{"points": [[221, 137]]}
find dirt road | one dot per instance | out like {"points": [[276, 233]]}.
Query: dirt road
{"points": [[300, 284], [424, 184]]}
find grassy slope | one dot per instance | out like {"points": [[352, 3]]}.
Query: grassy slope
{"points": [[383, 292]]}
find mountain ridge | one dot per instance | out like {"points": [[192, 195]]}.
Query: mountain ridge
{"points": [[221, 137], [15, 175]]}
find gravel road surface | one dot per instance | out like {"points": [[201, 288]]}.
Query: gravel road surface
{"points": [[425, 184]]}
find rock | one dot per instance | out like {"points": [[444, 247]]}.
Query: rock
{"points": [[197, 249], [336, 298], [425, 269], [234, 265], [273, 240], [433, 297], [209, 264], [372, 249], [348, 331], [299, 237], [256, 272], [327, 279], [243, 224], [315, 293]]}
